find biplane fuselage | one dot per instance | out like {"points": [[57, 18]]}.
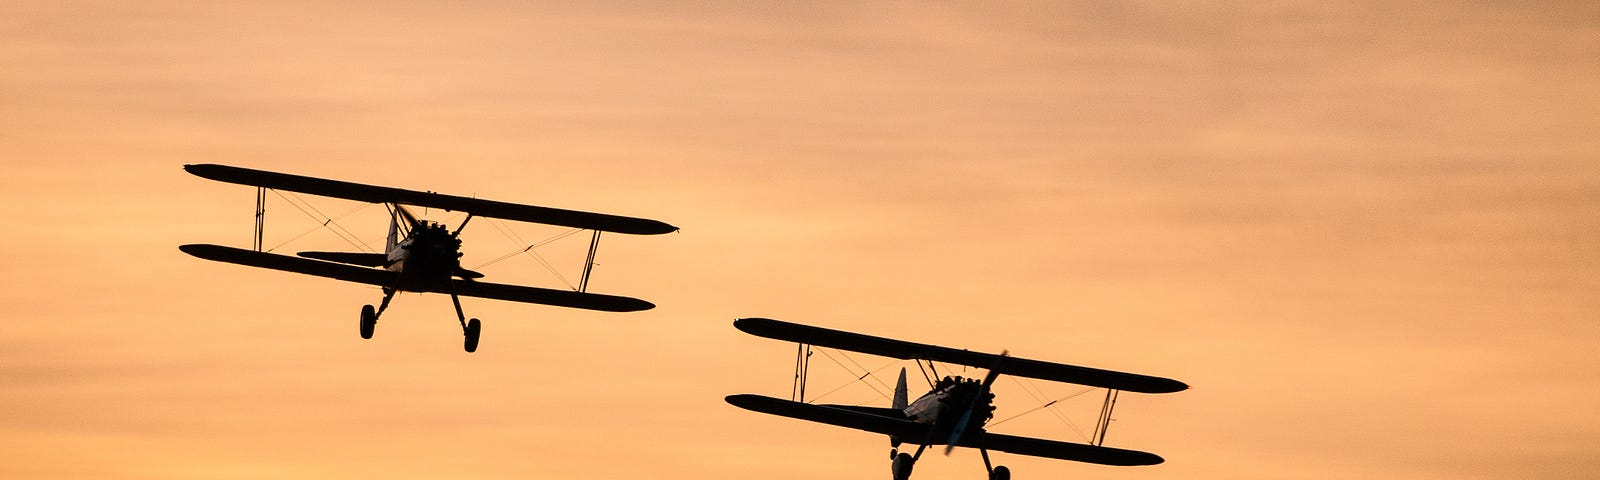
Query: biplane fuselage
{"points": [[426, 259], [943, 406]]}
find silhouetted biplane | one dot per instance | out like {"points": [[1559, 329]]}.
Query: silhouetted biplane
{"points": [[954, 412], [421, 256]]}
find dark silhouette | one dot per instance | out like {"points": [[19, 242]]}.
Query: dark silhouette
{"points": [[421, 256], [955, 411]]}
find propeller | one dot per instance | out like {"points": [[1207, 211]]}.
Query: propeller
{"points": [[966, 417]]}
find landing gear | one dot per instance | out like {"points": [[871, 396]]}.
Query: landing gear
{"points": [[369, 321], [996, 472], [468, 329], [901, 467], [1000, 473], [471, 331], [369, 316]]}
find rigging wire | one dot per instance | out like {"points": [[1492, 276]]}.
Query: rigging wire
{"points": [[858, 365], [1046, 406], [861, 379], [336, 228], [858, 379], [1039, 395], [324, 222], [529, 249], [507, 231]]}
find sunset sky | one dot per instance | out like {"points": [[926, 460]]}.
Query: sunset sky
{"points": [[1367, 234]]}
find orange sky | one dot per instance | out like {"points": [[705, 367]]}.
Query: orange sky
{"points": [[1368, 234]]}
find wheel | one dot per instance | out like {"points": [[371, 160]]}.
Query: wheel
{"points": [[901, 468], [473, 328], [1000, 473], [369, 320]]}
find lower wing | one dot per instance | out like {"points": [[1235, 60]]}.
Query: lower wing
{"points": [[252, 258], [549, 296], [1077, 452], [911, 431], [385, 278]]}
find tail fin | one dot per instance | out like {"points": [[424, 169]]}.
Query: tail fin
{"points": [[900, 402]]}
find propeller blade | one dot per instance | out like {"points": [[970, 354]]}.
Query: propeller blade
{"points": [[966, 417]]}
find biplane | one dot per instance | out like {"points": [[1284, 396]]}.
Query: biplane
{"points": [[955, 411], [421, 255]]}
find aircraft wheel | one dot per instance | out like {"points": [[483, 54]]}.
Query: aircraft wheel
{"points": [[901, 466], [1000, 473], [369, 320], [473, 328]]}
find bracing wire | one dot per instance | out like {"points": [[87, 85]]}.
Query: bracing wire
{"points": [[1039, 395], [861, 379], [869, 372], [324, 222], [858, 379], [334, 227], [1047, 405], [529, 248], [507, 231]]}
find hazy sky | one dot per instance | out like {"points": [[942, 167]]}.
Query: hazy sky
{"points": [[1367, 234]]}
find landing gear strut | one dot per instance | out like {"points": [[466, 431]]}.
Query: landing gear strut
{"points": [[902, 463], [1000, 472], [996, 472], [369, 317], [469, 329]]}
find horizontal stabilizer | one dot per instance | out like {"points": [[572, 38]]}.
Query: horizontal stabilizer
{"points": [[252, 258], [832, 415], [362, 259]]}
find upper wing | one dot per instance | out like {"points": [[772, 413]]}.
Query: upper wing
{"points": [[1094, 377], [1061, 450], [385, 278], [891, 426], [482, 208], [252, 258]]}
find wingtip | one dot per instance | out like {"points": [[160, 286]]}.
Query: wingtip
{"points": [[195, 167], [749, 324]]}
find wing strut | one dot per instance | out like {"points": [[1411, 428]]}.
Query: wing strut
{"points": [[261, 216], [924, 371], [588, 265], [1098, 438], [802, 368]]}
